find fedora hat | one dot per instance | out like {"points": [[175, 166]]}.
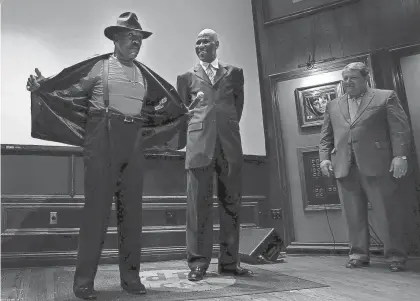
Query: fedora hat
{"points": [[129, 21]]}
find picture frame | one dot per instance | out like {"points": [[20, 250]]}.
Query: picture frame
{"points": [[293, 9], [311, 102]]}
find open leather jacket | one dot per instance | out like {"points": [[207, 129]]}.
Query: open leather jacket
{"points": [[61, 118]]}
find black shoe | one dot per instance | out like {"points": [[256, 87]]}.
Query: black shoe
{"points": [[196, 274], [397, 266], [357, 263], [86, 293], [238, 271], [134, 287]]}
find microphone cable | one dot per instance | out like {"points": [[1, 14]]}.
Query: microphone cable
{"points": [[331, 231]]}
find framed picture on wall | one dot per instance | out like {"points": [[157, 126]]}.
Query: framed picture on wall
{"points": [[276, 11], [311, 102]]}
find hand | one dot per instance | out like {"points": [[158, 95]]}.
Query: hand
{"points": [[190, 114], [34, 82], [326, 168], [399, 167]]}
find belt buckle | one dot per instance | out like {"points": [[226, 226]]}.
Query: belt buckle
{"points": [[128, 119]]}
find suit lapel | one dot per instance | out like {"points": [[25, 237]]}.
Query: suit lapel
{"points": [[199, 71], [221, 72], [344, 107], [367, 98]]}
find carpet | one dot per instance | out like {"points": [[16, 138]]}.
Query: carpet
{"points": [[171, 284]]}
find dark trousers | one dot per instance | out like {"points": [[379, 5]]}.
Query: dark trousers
{"points": [[199, 212], [355, 191], [113, 160]]}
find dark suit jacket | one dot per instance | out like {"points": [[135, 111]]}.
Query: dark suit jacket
{"points": [[216, 115], [59, 108], [379, 132]]}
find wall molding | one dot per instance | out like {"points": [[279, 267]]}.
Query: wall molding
{"points": [[29, 233], [48, 150], [304, 12], [77, 199], [326, 248], [110, 231], [108, 256], [335, 65]]}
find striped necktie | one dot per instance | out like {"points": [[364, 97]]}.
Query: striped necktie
{"points": [[210, 73], [354, 104]]}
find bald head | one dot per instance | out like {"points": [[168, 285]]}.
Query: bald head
{"points": [[206, 45], [210, 33]]}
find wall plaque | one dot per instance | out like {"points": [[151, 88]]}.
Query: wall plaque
{"points": [[319, 192]]}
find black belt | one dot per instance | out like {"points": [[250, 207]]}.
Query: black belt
{"points": [[124, 118]]}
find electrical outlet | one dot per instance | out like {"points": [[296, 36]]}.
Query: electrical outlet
{"points": [[276, 213], [53, 218], [170, 218]]}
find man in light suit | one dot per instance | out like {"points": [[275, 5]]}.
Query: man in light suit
{"points": [[365, 141], [214, 93]]}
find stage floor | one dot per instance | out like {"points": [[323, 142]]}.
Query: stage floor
{"points": [[298, 278]]}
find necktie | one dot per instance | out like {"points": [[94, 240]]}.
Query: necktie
{"points": [[354, 104], [210, 73]]}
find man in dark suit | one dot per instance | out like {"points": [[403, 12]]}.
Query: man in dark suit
{"points": [[113, 106], [214, 93], [365, 141]]}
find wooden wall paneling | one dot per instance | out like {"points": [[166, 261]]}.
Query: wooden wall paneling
{"points": [[343, 31], [34, 216], [28, 236], [29, 175], [276, 14], [277, 195]]}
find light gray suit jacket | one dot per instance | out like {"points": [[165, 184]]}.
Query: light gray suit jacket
{"points": [[379, 132]]}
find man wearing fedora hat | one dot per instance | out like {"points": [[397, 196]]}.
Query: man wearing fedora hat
{"points": [[114, 107]]}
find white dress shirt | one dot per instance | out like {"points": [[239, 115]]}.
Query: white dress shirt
{"points": [[214, 64]]}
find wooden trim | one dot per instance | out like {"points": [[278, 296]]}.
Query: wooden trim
{"points": [[325, 248], [72, 180], [78, 200], [71, 176], [37, 199], [319, 68], [110, 230], [396, 55], [263, 91], [278, 195], [399, 87], [108, 256], [42, 150], [47, 150], [305, 12], [405, 50], [286, 204]]}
